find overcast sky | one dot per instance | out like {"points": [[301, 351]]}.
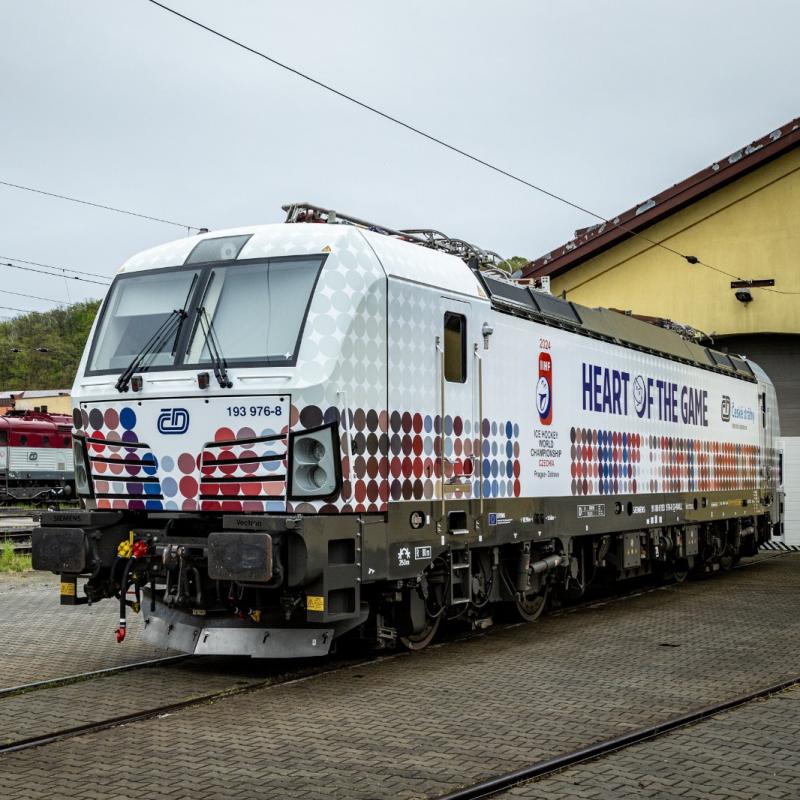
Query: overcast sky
{"points": [[607, 103]]}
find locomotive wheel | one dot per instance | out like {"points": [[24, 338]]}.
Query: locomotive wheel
{"points": [[680, 575], [530, 606], [677, 571], [727, 562], [419, 641]]}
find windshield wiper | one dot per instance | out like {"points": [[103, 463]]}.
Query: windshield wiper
{"points": [[171, 324], [217, 359]]}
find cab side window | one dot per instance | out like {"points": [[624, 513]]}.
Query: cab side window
{"points": [[455, 347]]}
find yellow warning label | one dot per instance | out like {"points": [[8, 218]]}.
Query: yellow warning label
{"points": [[314, 603], [68, 588]]}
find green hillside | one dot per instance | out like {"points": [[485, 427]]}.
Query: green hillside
{"points": [[42, 350]]}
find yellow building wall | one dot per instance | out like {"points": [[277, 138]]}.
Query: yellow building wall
{"points": [[750, 228], [56, 404]]}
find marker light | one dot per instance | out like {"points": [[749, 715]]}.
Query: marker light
{"points": [[82, 480], [315, 472]]}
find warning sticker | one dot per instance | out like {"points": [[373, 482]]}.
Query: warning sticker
{"points": [[68, 588], [315, 603]]}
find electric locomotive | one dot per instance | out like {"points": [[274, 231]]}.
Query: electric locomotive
{"points": [[35, 456], [285, 434]]}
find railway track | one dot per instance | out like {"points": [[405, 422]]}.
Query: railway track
{"points": [[486, 789], [20, 538], [35, 509], [541, 769], [84, 676], [16, 526], [169, 708], [19, 511]]}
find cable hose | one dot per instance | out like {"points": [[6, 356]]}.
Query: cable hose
{"points": [[123, 590]]}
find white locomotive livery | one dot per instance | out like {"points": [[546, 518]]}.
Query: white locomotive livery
{"points": [[289, 433]]}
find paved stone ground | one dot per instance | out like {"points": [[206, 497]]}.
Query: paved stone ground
{"points": [[748, 753], [86, 642], [47, 711], [418, 726], [40, 639]]}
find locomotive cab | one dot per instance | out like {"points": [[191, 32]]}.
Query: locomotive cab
{"points": [[230, 411]]}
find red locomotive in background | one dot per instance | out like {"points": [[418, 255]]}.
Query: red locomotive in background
{"points": [[36, 460]]}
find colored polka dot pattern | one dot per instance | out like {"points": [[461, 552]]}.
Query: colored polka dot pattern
{"points": [[384, 456], [416, 463], [618, 462], [604, 462], [241, 471], [499, 462], [363, 443], [124, 473], [394, 456]]}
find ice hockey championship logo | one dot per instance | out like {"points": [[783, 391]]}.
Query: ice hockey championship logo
{"points": [[544, 389]]}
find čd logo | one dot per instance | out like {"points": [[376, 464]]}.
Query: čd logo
{"points": [[173, 420]]}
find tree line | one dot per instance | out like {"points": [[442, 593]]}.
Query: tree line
{"points": [[42, 350]]}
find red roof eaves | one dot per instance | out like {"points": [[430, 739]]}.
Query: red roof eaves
{"points": [[604, 235]]}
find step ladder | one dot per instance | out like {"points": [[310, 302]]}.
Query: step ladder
{"points": [[460, 577]]}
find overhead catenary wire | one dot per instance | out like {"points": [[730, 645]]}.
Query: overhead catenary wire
{"points": [[23, 310], [35, 297], [54, 274], [51, 266], [102, 206], [691, 259]]}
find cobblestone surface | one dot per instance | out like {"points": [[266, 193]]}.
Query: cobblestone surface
{"points": [[750, 752], [47, 711], [418, 726], [40, 639]]}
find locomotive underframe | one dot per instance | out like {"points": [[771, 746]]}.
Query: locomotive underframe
{"points": [[45, 486], [288, 586]]}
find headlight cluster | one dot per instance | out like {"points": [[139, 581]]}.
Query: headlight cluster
{"points": [[316, 467], [82, 480]]}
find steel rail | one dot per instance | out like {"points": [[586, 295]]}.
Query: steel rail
{"points": [[137, 716], [86, 676], [594, 751], [20, 539], [170, 708], [124, 719], [19, 511]]}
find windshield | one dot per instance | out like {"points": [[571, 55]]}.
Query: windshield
{"points": [[137, 307], [256, 310]]}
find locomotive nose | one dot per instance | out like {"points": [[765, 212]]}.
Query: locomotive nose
{"points": [[187, 454]]}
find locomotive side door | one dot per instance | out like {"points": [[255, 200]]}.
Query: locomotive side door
{"points": [[457, 381]]}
